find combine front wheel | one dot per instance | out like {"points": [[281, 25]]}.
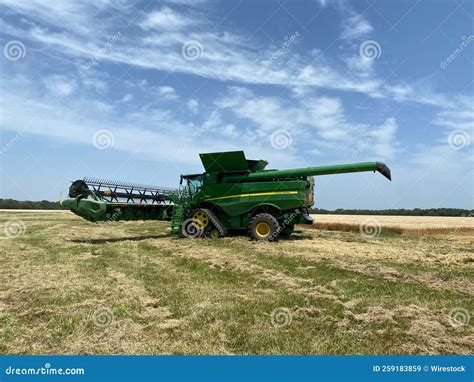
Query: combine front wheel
{"points": [[263, 227]]}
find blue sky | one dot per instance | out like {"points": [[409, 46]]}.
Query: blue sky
{"points": [[135, 90]]}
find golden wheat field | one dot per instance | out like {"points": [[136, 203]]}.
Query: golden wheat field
{"points": [[413, 225], [68, 286]]}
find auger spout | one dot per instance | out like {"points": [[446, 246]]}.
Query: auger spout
{"points": [[296, 173]]}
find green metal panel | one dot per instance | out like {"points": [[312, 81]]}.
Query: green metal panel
{"points": [[283, 195], [230, 161], [231, 198]]}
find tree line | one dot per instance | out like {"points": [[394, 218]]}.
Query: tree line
{"points": [[399, 212], [12, 204], [47, 205]]}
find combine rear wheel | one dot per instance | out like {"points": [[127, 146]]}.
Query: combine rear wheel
{"points": [[263, 227]]}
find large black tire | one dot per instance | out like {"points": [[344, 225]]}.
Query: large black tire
{"points": [[264, 227]]}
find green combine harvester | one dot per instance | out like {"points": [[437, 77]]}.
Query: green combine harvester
{"points": [[233, 194]]}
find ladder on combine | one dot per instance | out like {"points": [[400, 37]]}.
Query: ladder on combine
{"points": [[177, 219]]}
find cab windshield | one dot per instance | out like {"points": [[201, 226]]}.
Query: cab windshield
{"points": [[194, 184]]}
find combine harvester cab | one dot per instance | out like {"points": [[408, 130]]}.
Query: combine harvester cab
{"points": [[233, 194]]}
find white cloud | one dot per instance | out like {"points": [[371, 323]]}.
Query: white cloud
{"points": [[60, 85], [165, 19], [456, 119], [167, 92], [193, 105], [355, 27], [385, 139], [323, 116], [363, 66], [138, 133], [127, 97], [323, 3]]}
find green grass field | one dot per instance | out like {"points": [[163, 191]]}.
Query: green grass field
{"points": [[72, 287]]}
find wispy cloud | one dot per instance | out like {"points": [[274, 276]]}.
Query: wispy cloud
{"points": [[355, 27], [60, 85], [166, 19], [226, 56]]}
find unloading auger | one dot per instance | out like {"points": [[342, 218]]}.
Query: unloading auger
{"points": [[233, 194]]}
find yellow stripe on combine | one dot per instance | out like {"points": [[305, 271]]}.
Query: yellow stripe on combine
{"points": [[256, 194]]}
